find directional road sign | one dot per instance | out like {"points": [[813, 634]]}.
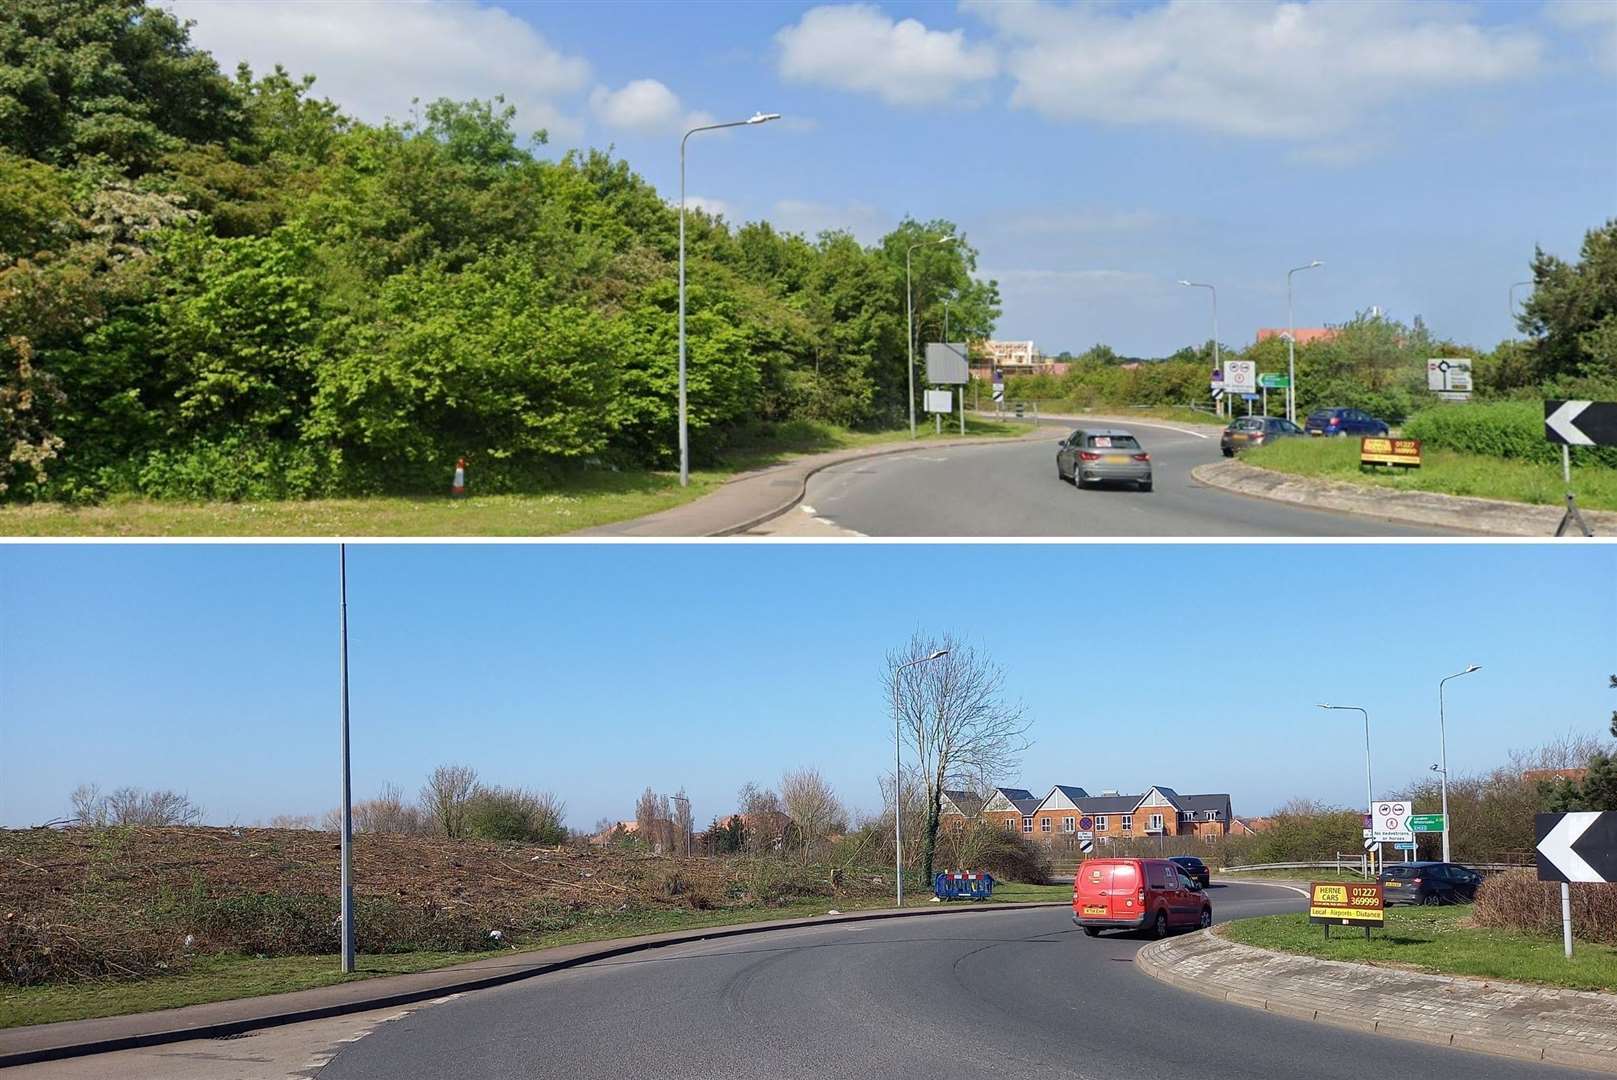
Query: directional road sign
{"points": [[1580, 846], [1426, 822], [1449, 374], [1274, 380], [1581, 423]]}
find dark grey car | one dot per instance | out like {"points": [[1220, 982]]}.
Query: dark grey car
{"points": [[1103, 455]]}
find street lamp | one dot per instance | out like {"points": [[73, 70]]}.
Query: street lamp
{"points": [[1514, 285], [1369, 789], [1217, 363], [1291, 344], [684, 437], [909, 316], [346, 903], [1443, 751], [687, 802], [898, 829]]}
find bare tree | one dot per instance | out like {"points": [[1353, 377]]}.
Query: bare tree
{"points": [[762, 818], [133, 806], [648, 813], [811, 805], [954, 715], [292, 821], [684, 824], [444, 797]]}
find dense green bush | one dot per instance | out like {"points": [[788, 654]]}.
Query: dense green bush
{"points": [[1501, 429]]}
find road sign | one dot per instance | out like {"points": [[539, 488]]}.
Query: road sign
{"points": [[1241, 376], [1085, 834], [1380, 450], [1405, 847], [1580, 846], [946, 363], [1426, 822], [1337, 903], [1249, 397], [940, 401], [1389, 821], [1371, 843], [1086, 846], [1274, 380], [1449, 374], [999, 391], [1581, 423], [1086, 823], [1218, 391]]}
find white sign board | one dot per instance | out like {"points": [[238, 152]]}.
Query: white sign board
{"points": [[940, 401], [1389, 821], [1449, 374], [946, 363], [1241, 376]]}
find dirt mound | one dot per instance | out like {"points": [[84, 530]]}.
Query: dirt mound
{"points": [[95, 903]]}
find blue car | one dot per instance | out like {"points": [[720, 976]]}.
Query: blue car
{"points": [[1344, 422]]}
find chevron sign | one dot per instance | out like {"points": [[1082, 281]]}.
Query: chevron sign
{"points": [[1580, 846], [1581, 423]]}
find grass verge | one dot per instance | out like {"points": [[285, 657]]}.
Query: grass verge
{"points": [[591, 498], [1316, 874], [225, 977], [1439, 940], [1444, 471]]}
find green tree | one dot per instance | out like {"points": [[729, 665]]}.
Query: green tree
{"points": [[1572, 312]]}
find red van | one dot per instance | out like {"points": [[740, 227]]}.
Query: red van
{"points": [[1137, 894]]}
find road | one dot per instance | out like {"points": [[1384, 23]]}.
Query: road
{"points": [[1003, 993], [1012, 490]]}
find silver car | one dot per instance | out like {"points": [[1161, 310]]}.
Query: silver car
{"points": [[1100, 455]]}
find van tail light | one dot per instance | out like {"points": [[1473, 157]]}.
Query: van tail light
{"points": [[1141, 898], [1335, 420], [1087, 456], [1142, 457], [1414, 881]]}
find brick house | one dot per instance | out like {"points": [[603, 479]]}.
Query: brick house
{"points": [[1011, 808], [1161, 811], [958, 809]]}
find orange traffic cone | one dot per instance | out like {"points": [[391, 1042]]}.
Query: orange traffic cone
{"points": [[457, 490]]}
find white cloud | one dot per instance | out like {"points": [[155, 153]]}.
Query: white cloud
{"points": [[645, 106], [1300, 71], [858, 47], [1593, 20], [863, 220], [716, 207], [372, 58]]}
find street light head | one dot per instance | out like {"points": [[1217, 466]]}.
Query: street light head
{"points": [[1315, 263], [948, 240], [763, 117], [939, 654], [1322, 706], [1472, 667], [1182, 281]]}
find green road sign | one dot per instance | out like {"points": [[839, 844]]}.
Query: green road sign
{"points": [[1274, 380], [1426, 822]]}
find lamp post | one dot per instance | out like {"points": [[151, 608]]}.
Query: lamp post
{"points": [[1514, 285], [1218, 364], [346, 903], [1369, 789], [1291, 344], [684, 437], [687, 802], [909, 316], [1443, 752], [898, 782]]}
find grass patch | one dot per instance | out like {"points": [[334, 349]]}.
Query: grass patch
{"points": [[595, 497], [1445, 471], [225, 977], [1315, 874], [1440, 940], [1014, 892]]}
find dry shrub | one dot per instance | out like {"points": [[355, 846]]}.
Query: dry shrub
{"points": [[1517, 900]]}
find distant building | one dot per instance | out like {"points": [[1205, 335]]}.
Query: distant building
{"points": [[1011, 355], [1574, 776], [1304, 334]]}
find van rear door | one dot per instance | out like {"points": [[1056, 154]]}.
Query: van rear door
{"points": [[1092, 889], [1124, 890]]}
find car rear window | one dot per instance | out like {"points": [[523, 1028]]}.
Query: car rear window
{"points": [[1245, 424], [1113, 442], [1401, 871], [1323, 414]]}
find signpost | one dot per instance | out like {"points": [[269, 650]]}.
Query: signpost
{"points": [[1272, 380], [1389, 822], [1578, 423], [1086, 823], [1426, 822], [1380, 450], [1579, 846], [1449, 377], [1241, 376], [946, 365], [1086, 846], [1335, 903], [1217, 385]]}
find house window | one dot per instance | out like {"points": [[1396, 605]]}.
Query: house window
{"points": [[1212, 815], [1009, 824], [1044, 824], [1100, 822], [1156, 822], [1128, 822], [1069, 824], [1187, 815], [1027, 824]]}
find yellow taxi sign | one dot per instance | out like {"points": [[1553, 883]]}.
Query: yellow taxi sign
{"points": [[1346, 903], [1381, 450]]}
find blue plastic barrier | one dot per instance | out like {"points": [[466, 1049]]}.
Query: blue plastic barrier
{"points": [[963, 886]]}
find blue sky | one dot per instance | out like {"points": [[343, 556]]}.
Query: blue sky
{"points": [[1093, 153], [596, 670]]}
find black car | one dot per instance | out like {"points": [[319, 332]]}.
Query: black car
{"points": [[1429, 883], [1329, 422], [1194, 868], [1245, 431]]}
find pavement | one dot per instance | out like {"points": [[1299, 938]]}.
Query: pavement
{"points": [[1007, 488], [752, 498], [1510, 1020], [1010, 991]]}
